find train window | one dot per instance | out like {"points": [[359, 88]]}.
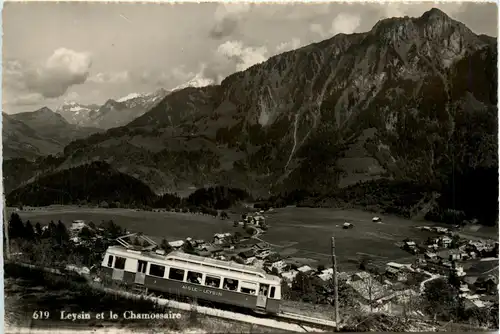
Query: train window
{"points": [[110, 261], [271, 293], [247, 287], [176, 274], [193, 277], [120, 263], [156, 270], [230, 284], [212, 281]]}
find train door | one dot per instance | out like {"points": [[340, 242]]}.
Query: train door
{"points": [[119, 268], [262, 297], [140, 275]]}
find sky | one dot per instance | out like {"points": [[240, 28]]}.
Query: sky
{"points": [[91, 52]]}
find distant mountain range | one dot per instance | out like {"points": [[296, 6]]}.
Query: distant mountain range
{"points": [[412, 100], [113, 113], [38, 133], [43, 132]]}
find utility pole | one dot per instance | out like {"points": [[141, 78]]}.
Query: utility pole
{"points": [[335, 286], [6, 231]]}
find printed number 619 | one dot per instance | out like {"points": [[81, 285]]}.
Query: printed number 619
{"points": [[41, 315]]}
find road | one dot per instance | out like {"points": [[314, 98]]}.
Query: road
{"points": [[431, 278]]}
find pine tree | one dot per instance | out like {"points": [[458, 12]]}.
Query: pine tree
{"points": [[62, 235], [188, 248], [166, 246], [29, 232], [38, 230], [16, 226]]}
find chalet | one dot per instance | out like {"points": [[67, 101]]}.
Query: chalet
{"points": [[451, 255], [220, 238], [433, 247], [368, 288], [362, 275], [398, 266], [410, 245], [176, 244], [289, 276], [343, 276], [263, 254], [441, 230], [486, 284], [305, 269], [261, 246], [464, 289], [77, 226], [247, 256], [476, 246], [445, 241], [459, 271], [430, 255], [326, 274], [279, 265], [198, 242], [273, 257]]}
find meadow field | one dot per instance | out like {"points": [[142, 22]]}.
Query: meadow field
{"points": [[306, 233], [300, 233]]}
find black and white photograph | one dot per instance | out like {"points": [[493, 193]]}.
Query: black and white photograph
{"points": [[250, 167]]}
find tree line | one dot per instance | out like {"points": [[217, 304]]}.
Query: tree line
{"points": [[99, 184], [51, 244]]}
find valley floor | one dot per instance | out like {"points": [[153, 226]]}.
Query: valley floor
{"points": [[301, 233]]}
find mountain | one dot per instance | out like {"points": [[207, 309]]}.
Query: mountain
{"points": [[197, 81], [20, 140], [76, 113], [38, 133], [94, 182], [114, 112], [413, 100]]}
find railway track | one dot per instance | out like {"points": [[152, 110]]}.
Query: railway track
{"points": [[284, 320]]}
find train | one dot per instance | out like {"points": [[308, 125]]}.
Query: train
{"points": [[193, 276]]}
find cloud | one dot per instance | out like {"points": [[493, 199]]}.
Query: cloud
{"points": [[63, 69], [24, 99], [345, 23], [112, 77], [72, 96], [228, 17], [228, 58], [51, 79], [242, 57], [317, 29], [287, 46], [26, 84]]}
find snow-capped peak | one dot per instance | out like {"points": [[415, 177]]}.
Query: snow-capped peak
{"points": [[197, 81], [130, 97], [70, 103]]}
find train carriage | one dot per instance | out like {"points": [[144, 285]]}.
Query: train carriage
{"points": [[195, 276]]}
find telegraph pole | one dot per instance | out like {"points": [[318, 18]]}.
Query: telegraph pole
{"points": [[335, 284], [6, 231]]}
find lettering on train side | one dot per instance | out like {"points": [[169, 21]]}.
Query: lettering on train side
{"points": [[202, 290]]}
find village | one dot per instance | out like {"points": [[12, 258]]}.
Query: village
{"points": [[388, 287]]}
